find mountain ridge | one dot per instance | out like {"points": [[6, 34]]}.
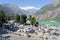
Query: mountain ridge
{"points": [[50, 12], [14, 9]]}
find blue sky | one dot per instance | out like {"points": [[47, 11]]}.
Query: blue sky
{"points": [[24, 3]]}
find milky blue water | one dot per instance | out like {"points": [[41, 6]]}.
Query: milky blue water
{"points": [[49, 23]]}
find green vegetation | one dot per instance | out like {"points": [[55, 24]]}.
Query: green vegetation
{"points": [[5, 17], [36, 24], [18, 18], [33, 20], [21, 18], [2, 17], [57, 19]]}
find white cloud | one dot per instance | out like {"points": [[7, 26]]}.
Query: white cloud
{"points": [[29, 7]]}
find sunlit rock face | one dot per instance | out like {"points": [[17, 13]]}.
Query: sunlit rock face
{"points": [[49, 12]]}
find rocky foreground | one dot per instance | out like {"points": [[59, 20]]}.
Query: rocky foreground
{"points": [[17, 37]]}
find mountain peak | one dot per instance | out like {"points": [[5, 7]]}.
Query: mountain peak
{"points": [[49, 12], [28, 8], [56, 1]]}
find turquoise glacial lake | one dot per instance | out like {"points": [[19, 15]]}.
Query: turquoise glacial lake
{"points": [[49, 23]]}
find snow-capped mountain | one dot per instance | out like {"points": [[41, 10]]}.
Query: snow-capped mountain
{"points": [[14, 9], [29, 10]]}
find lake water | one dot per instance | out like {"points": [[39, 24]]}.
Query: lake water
{"points": [[49, 23]]}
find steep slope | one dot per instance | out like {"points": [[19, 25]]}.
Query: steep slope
{"points": [[49, 12], [6, 10], [14, 9]]}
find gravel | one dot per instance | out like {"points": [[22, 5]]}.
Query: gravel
{"points": [[17, 37]]}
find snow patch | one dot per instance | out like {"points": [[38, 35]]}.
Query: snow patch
{"points": [[28, 8]]}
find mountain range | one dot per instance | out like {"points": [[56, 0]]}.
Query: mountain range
{"points": [[14, 9], [50, 12]]}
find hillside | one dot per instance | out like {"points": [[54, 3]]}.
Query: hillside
{"points": [[14, 9], [50, 12]]}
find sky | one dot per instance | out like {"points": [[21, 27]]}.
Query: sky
{"points": [[24, 3]]}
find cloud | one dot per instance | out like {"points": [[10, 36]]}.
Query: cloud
{"points": [[29, 7]]}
